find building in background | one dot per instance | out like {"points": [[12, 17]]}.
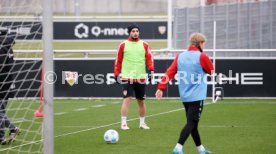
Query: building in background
{"points": [[109, 7]]}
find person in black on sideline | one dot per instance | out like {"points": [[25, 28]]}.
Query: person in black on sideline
{"points": [[6, 82]]}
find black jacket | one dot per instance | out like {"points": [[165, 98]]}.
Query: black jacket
{"points": [[6, 66]]}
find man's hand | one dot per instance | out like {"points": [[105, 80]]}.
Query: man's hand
{"points": [[150, 76], [159, 94]]}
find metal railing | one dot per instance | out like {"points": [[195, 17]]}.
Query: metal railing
{"points": [[238, 25], [162, 53]]}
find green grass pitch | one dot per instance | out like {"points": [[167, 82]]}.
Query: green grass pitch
{"points": [[226, 127]]}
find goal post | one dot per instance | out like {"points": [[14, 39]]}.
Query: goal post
{"points": [[48, 124], [214, 63], [21, 75]]}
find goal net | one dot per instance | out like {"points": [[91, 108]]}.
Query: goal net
{"points": [[20, 76]]}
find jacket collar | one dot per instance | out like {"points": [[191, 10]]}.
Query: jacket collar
{"points": [[193, 48], [131, 40]]}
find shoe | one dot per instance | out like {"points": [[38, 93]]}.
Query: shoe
{"points": [[3, 141], [205, 152], [13, 134], [177, 151], [124, 127], [144, 126]]}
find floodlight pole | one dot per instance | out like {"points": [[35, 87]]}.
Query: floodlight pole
{"points": [[169, 24], [120, 8], [48, 121], [214, 62], [77, 8]]}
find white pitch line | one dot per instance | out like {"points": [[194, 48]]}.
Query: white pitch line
{"points": [[85, 130], [19, 121], [76, 126], [115, 102], [97, 106], [80, 109], [60, 113], [29, 143], [220, 126], [102, 126], [115, 123], [234, 126]]}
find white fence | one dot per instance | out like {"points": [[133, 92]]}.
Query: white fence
{"points": [[168, 54], [238, 26]]}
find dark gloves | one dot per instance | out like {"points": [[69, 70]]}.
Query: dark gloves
{"points": [[150, 76], [117, 79]]}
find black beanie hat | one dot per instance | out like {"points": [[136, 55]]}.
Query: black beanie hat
{"points": [[130, 27]]}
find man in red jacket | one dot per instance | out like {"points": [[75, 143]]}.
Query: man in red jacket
{"points": [[132, 58]]}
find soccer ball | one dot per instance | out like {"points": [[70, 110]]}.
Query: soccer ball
{"points": [[111, 136]]}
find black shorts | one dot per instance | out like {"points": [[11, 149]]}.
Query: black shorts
{"points": [[139, 89], [193, 110]]}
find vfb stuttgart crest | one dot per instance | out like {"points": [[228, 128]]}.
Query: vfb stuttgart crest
{"points": [[71, 77], [162, 29]]}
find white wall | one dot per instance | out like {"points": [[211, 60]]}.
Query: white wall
{"points": [[91, 7]]}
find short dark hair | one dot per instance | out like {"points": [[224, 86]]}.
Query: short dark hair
{"points": [[130, 27]]}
